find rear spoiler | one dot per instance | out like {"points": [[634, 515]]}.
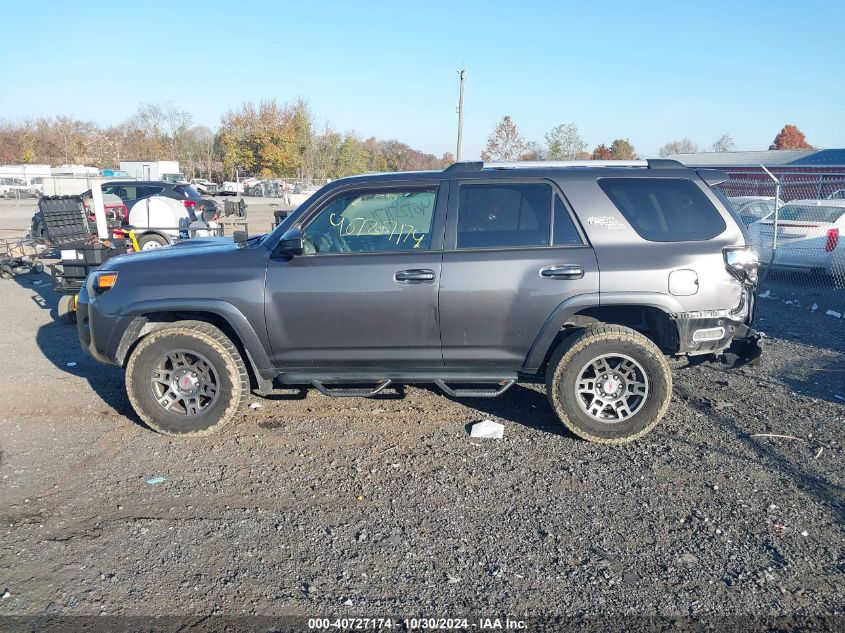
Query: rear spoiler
{"points": [[712, 177]]}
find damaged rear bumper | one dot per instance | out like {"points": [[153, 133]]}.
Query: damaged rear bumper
{"points": [[725, 334]]}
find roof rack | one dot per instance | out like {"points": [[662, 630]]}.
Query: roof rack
{"points": [[651, 163]]}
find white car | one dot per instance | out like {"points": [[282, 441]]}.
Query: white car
{"points": [[808, 237], [231, 188]]}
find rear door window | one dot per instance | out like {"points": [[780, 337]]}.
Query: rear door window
{"points": [[504, 215], [665, 209], [565, 232]]}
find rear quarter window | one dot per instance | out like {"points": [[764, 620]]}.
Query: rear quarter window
{"points": [[664, 209]]}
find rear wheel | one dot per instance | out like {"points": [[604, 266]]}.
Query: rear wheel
{"points": [[609, 384], [186, 379]]}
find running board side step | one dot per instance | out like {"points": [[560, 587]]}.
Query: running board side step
{"points": [[351, 392], [475, 393]]}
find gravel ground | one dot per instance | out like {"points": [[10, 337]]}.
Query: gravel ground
{"points": [[311, 505]]}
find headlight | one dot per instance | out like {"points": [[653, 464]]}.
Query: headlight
{"points": [[104, 280]]}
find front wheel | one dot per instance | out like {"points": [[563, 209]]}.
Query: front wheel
{"points": [[609, 384], [186, 379]]}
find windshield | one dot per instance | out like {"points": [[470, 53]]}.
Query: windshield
{"points": [[810, 213]]}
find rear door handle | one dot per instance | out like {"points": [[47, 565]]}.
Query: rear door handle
{"points": [[562, 271], [414, 276]]}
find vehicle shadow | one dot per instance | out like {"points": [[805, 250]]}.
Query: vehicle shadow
{"points": [[791, 465], [520, 404], [59, 343]]}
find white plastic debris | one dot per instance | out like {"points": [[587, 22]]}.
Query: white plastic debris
{"points": [[815, 307], [6, 594], [805, 533], [834, 313], [255, 406], [71, 364], [765, 295], [840, 397], [487, 429]]}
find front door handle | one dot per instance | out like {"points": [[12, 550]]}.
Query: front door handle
{"points": [[562, 271], [414, 276]]}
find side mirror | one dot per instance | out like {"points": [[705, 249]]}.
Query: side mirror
{"points": [[240, 237], [292, 244]]}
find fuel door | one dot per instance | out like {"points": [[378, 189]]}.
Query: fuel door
{"points": [[683, 283]]}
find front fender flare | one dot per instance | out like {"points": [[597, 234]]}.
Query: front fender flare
{"points": [[255, 350]]}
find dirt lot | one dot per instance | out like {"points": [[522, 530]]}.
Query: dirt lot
{"points": [[317, 506]]}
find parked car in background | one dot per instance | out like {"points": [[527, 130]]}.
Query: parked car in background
{"points": [[131, 191], [231, 188], [18, 188], [205, 187], [808, 233], [753, 208]]}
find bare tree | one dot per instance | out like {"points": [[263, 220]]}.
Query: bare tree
{"points": [[504, 143], [682, 146], [564, 142], [725, 143]]}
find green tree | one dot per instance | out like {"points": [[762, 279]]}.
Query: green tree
{"points": [[621, 149], [564, 142]]}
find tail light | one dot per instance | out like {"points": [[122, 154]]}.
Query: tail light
{"points": [[742, 262], [832, 240], [189, 204]]}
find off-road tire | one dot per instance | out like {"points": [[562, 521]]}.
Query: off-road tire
{"points": [[677, 362], [149, 238], [591, 342], [217, 348]]}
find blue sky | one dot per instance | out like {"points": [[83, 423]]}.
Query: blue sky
{"points": [[649, 71]]}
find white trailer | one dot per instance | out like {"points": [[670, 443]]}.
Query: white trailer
{"points": [[153, 170]]}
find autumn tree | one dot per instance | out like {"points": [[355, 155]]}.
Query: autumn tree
{"points": [[790, 137], [601, 152], [505, 142], [447, 159], [681, 146], [534, 151], [621, 149], [564, 142], [724, 143]]}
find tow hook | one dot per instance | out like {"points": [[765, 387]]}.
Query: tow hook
{"points": [[745, 350]]}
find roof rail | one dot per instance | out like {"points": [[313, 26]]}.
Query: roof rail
{"points": [[540, 164], [465, 166], [476, 166], [664, 163]]}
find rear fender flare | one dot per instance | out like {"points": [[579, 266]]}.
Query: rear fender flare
{"points": [[564, 311]]}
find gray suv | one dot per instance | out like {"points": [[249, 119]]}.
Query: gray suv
{"points": [[595, 278]]}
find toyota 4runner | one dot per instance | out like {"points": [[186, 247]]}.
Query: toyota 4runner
{"points": [[595, 278]]}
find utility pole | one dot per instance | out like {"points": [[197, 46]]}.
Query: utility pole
{"points": [[462, 73]]}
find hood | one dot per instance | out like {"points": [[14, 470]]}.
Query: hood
{"points": [[197, 247]]}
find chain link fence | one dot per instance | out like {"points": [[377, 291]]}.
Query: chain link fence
{"points": [[797, 224]]}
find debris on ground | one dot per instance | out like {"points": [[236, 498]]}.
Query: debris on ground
{"points": [[152, 481], [819, 454], [834, 313], [487, 429], [255, 406], [452, 580], [785, 437], [71, 364], [840, 397], [765, 295], [6, 594]]}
